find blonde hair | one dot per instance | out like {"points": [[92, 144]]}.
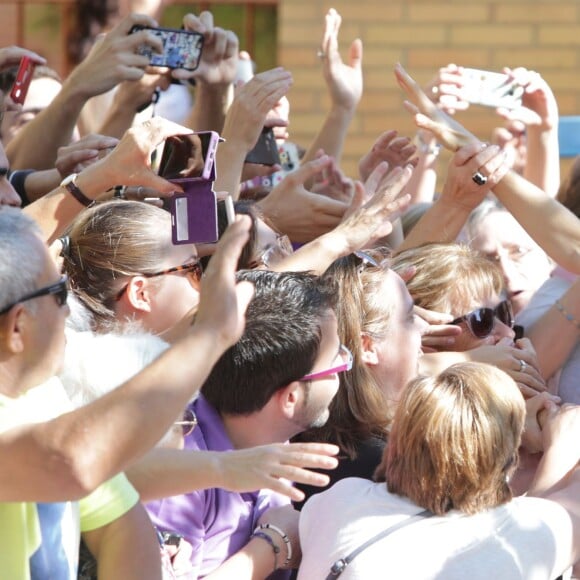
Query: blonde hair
{"points": [[359, 410], [109, 243], [454, 440], [448, 276]]}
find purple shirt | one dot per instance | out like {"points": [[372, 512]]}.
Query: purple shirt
{"points": [[216, 522]]}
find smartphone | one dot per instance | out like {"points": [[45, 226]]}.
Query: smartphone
{"points": [[181, 48], [22, 81], [189, 156], [289, 156], [491, 89], [189, 160], [194, 213], [265, 152]]}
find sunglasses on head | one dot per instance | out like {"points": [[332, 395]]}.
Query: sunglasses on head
{"points": [[482, 320]]}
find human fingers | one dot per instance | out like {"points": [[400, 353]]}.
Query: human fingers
{"points": [[376, 177], [384, 139], [153, 131], [12, 55], [220, 41], [308, 171], [196, 24]]}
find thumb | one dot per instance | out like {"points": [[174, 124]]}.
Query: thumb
{"points": [[311, 169]]}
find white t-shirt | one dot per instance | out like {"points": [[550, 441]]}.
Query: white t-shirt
{"points": [[569, 378], [529, 538]]}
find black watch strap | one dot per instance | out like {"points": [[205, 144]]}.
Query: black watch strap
{"points": [[70, 185]]}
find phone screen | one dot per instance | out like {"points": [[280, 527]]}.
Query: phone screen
{"points": [[491, 89], [185, 155], [181, 48]]}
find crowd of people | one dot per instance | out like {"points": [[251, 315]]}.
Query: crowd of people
{"points": [[362, 377]]}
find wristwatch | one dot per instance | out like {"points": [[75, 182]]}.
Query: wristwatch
{"points": [[69, 183]]}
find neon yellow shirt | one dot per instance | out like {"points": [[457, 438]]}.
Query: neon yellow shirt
{"points": [[40, 541]]}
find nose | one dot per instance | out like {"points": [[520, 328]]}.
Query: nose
{"points": [[501, 330], [510, 271], [8, 195]]}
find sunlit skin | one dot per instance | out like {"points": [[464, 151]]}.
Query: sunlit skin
{"points": [[524, 264]]}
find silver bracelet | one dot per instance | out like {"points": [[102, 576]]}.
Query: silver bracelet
{"points": [[284, 537]]}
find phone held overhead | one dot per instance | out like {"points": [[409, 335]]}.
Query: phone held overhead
{"points": [[181, 48], [491, 89], [189, 160]]}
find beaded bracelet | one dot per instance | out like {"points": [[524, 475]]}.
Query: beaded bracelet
{"points": [[284, 537], [569, 317], [276, 549]]}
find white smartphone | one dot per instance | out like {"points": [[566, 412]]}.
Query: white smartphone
{"points": [[491, 89]]}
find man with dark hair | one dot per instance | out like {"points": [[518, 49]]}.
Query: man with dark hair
{"points": [[275, 382]]}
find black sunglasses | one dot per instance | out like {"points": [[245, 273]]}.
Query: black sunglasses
{"points": [[482, 320], [58, 290]]}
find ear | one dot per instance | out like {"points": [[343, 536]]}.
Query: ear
{"points": [[369, 354], [138, 294], [289, 398], [13, 330]]}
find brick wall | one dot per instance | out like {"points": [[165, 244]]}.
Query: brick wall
{"points": [[424, 35]]}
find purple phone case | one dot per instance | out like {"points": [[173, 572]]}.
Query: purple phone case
{"points": [[194, 212]]}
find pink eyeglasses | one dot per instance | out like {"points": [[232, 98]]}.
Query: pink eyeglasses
{"points": [[346, 357]]}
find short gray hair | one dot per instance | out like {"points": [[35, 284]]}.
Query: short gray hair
{"points": [[19, 267]]}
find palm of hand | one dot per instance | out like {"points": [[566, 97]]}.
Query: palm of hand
{"points": [[345, 83]]}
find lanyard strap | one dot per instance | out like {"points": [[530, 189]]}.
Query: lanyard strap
{"points": [[339, 566]]}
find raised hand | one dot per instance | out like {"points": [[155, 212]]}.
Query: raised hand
{"points": [[251, 105], [539, 107], [451, 134], [344, 81], [223, 303], [11, 56], [333, 183], [300, 214], [219, 57], [445, 89], [80, 154], [461, 187], [396, 151], [130, 161], [113, 59]]}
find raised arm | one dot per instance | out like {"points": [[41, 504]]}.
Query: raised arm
{"points": [[215, 74], [344, 83], [128, 163], [69, 456], [553, 227], [111, 61]]}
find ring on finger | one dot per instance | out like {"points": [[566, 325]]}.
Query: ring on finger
{"points": [[523, 366], [479, 178], [321, 54]]}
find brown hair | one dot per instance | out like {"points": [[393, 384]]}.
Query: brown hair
{"points": [[448, 276], [359, 410], [454, 440], [108, 243]]}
